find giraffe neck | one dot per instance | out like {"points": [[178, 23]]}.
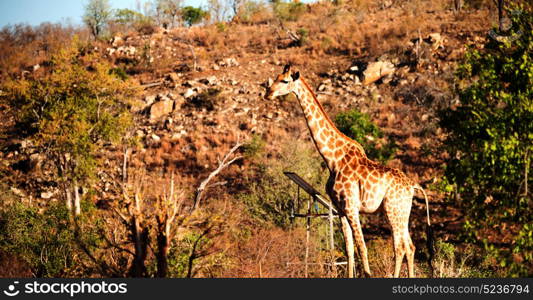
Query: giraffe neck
{"points": [[329, 141]]}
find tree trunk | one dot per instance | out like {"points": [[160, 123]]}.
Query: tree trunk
{"points": [[140, 240], [68, 197], [500, 15], [458, 4], [77, 206], [162, 254]]}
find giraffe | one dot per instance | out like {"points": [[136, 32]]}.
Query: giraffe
{"points": [[356, 184]]}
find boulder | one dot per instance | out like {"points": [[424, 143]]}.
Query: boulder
{"points": [[377, 70], [116, 41], [436, 40], [17, 192], [155, 137], [189, 93], [228, 62], [47, 195], [149, 99], [173, 77], [160, 109], [211, 80]]}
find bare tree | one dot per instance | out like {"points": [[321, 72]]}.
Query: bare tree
{"points": [[500, 15], [132, 214], [167, 208], [217, 9], [169, 12], [236, 6], [457, 5]]}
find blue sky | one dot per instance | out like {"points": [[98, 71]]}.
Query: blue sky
{"points": [[34, 12]]}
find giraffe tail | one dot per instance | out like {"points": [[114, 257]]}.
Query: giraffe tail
{"points": [[429, 232]]}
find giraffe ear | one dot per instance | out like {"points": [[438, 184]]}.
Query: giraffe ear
{"points": [[295, 76], [287, 68]]}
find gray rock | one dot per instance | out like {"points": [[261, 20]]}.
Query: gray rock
{"points": [[189, 93], [376, 70], [116, 41], [211, 80], [47, 195], [228, 62], [160, 109], [189, 83], [140, 133], [173, 77], [155, 137], [149, 99], [17, 192]]}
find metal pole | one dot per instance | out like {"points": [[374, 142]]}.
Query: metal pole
{"points": [[307, 236], [331, 242], [298, 197]]}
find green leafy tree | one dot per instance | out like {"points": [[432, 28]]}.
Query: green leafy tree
{"points": [[97, 14], [70, 112], [491, 142], [193, 15], [126, 16], [358, 126]]}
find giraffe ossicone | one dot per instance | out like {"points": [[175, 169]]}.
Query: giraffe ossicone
{"points": [[356, 183]]}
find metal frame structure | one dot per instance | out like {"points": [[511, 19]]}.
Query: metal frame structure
{"points": [[332, 212]]}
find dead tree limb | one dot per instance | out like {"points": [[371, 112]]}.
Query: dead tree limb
{"points": [[295, 38], [134, 218], [153, 84], [228, 159], [168, 207]]}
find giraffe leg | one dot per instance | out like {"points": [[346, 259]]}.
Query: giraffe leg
{"points": [[353, 218], [348, 240], [399, 250], [410, 249]]}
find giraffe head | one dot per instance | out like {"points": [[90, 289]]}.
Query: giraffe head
{"points": [[285, 83]]}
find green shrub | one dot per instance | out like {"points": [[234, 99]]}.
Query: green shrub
{"points": [[288, 11], [221, 26], [45, 240], [207, 99], [271, 194], [491, 141], [358, 126], [303, 33], [254, 148], [120, 73]]}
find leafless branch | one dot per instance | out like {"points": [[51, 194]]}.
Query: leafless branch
{"points": [[228, 159]]}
